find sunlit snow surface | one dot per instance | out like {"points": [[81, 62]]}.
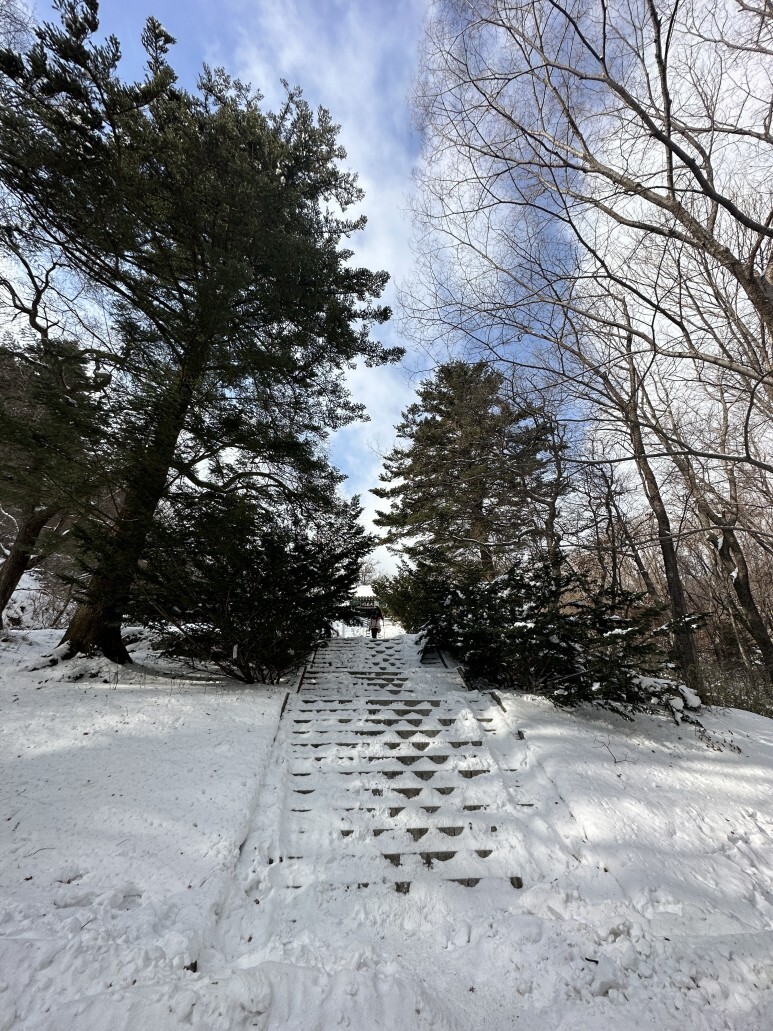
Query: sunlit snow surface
{"points": [[152, 825]]}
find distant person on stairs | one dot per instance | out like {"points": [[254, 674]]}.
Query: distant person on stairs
{"points": [[376, 622]]}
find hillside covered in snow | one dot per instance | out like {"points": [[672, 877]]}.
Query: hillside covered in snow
{"points": [[379, 850]]}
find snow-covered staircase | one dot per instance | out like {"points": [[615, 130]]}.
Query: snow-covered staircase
{"points": [[391, 776]]}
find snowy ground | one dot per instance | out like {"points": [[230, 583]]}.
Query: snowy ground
{"points": [[147, 827], [123, 801]]}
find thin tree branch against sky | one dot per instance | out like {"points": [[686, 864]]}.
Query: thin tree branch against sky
{"points": [[357, 58]]}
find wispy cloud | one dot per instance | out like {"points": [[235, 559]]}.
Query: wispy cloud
{"points": [[358, 60]]}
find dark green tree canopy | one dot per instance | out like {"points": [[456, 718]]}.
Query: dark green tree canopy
{"points": [[208, 221], [251, 590], [215, 236], [466, 473], [50, 410], [546, 628]]}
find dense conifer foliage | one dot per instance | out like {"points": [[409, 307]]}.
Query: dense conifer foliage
{"points": [[49, 414], [474, 494], [249, 589], [550, 630], [416, 591], [212, 235], [467, 476]]}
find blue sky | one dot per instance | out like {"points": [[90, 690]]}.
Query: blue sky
{"points": [[357, 58]]}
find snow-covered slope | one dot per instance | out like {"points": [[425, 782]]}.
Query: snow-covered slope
{"points": [[163, 866], [123, 801]]}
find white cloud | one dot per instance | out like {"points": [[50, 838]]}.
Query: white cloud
{"points": [[358, 60]]}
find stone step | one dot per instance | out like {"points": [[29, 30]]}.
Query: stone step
{"points": [[350, 732], [405, 813], [375, 727], [445, 713], [370, 867], [374, 756], [351, 719], [332, 725], [451, 701], [481, 885], [351, 708], [447, 835], [405, 708], [367, 777], [394, 794], [355, 702], [403, 699], [385, 665], [378, 675], [370, 745]]}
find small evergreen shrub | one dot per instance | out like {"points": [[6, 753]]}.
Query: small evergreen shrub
{"points": [[545, 629], [228, 583], [414, 593]]}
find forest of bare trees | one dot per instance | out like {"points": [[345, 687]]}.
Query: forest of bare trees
{"points": [[595, 218]]}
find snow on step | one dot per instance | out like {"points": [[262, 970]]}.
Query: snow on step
{"points": [[438, 837], [371, 743], [380, 868], [390, 778]]}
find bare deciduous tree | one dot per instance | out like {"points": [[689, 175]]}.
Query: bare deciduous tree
{"points": [[595, 207]]}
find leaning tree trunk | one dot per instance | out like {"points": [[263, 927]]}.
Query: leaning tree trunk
{"points": [[644, 573], [97, 621], [684, 641], [20, 556], [733, 561]]}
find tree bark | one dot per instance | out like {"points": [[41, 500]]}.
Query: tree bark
{"points": [[480, 531], [733, 562], [724, 540], [18, 561], [644, 573], [686, 649], [96, 623]]}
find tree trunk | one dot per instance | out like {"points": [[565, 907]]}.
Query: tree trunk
{"points": [[733, 562], [724, 540], [684, 641], [557, 489], [481, 533], [741, 643], [644, 573], [96, 623], [614, 558], [487, 562], [96, 627], [18, 561]]}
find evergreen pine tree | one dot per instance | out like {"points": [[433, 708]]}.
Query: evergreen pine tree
{"points": [[548, 629], [49, 425], [251, 590], [464, 475], [215, 232], [417, 591]]}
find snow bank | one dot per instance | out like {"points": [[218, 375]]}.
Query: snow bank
{"points": [[124, 800], [646, 853]]}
